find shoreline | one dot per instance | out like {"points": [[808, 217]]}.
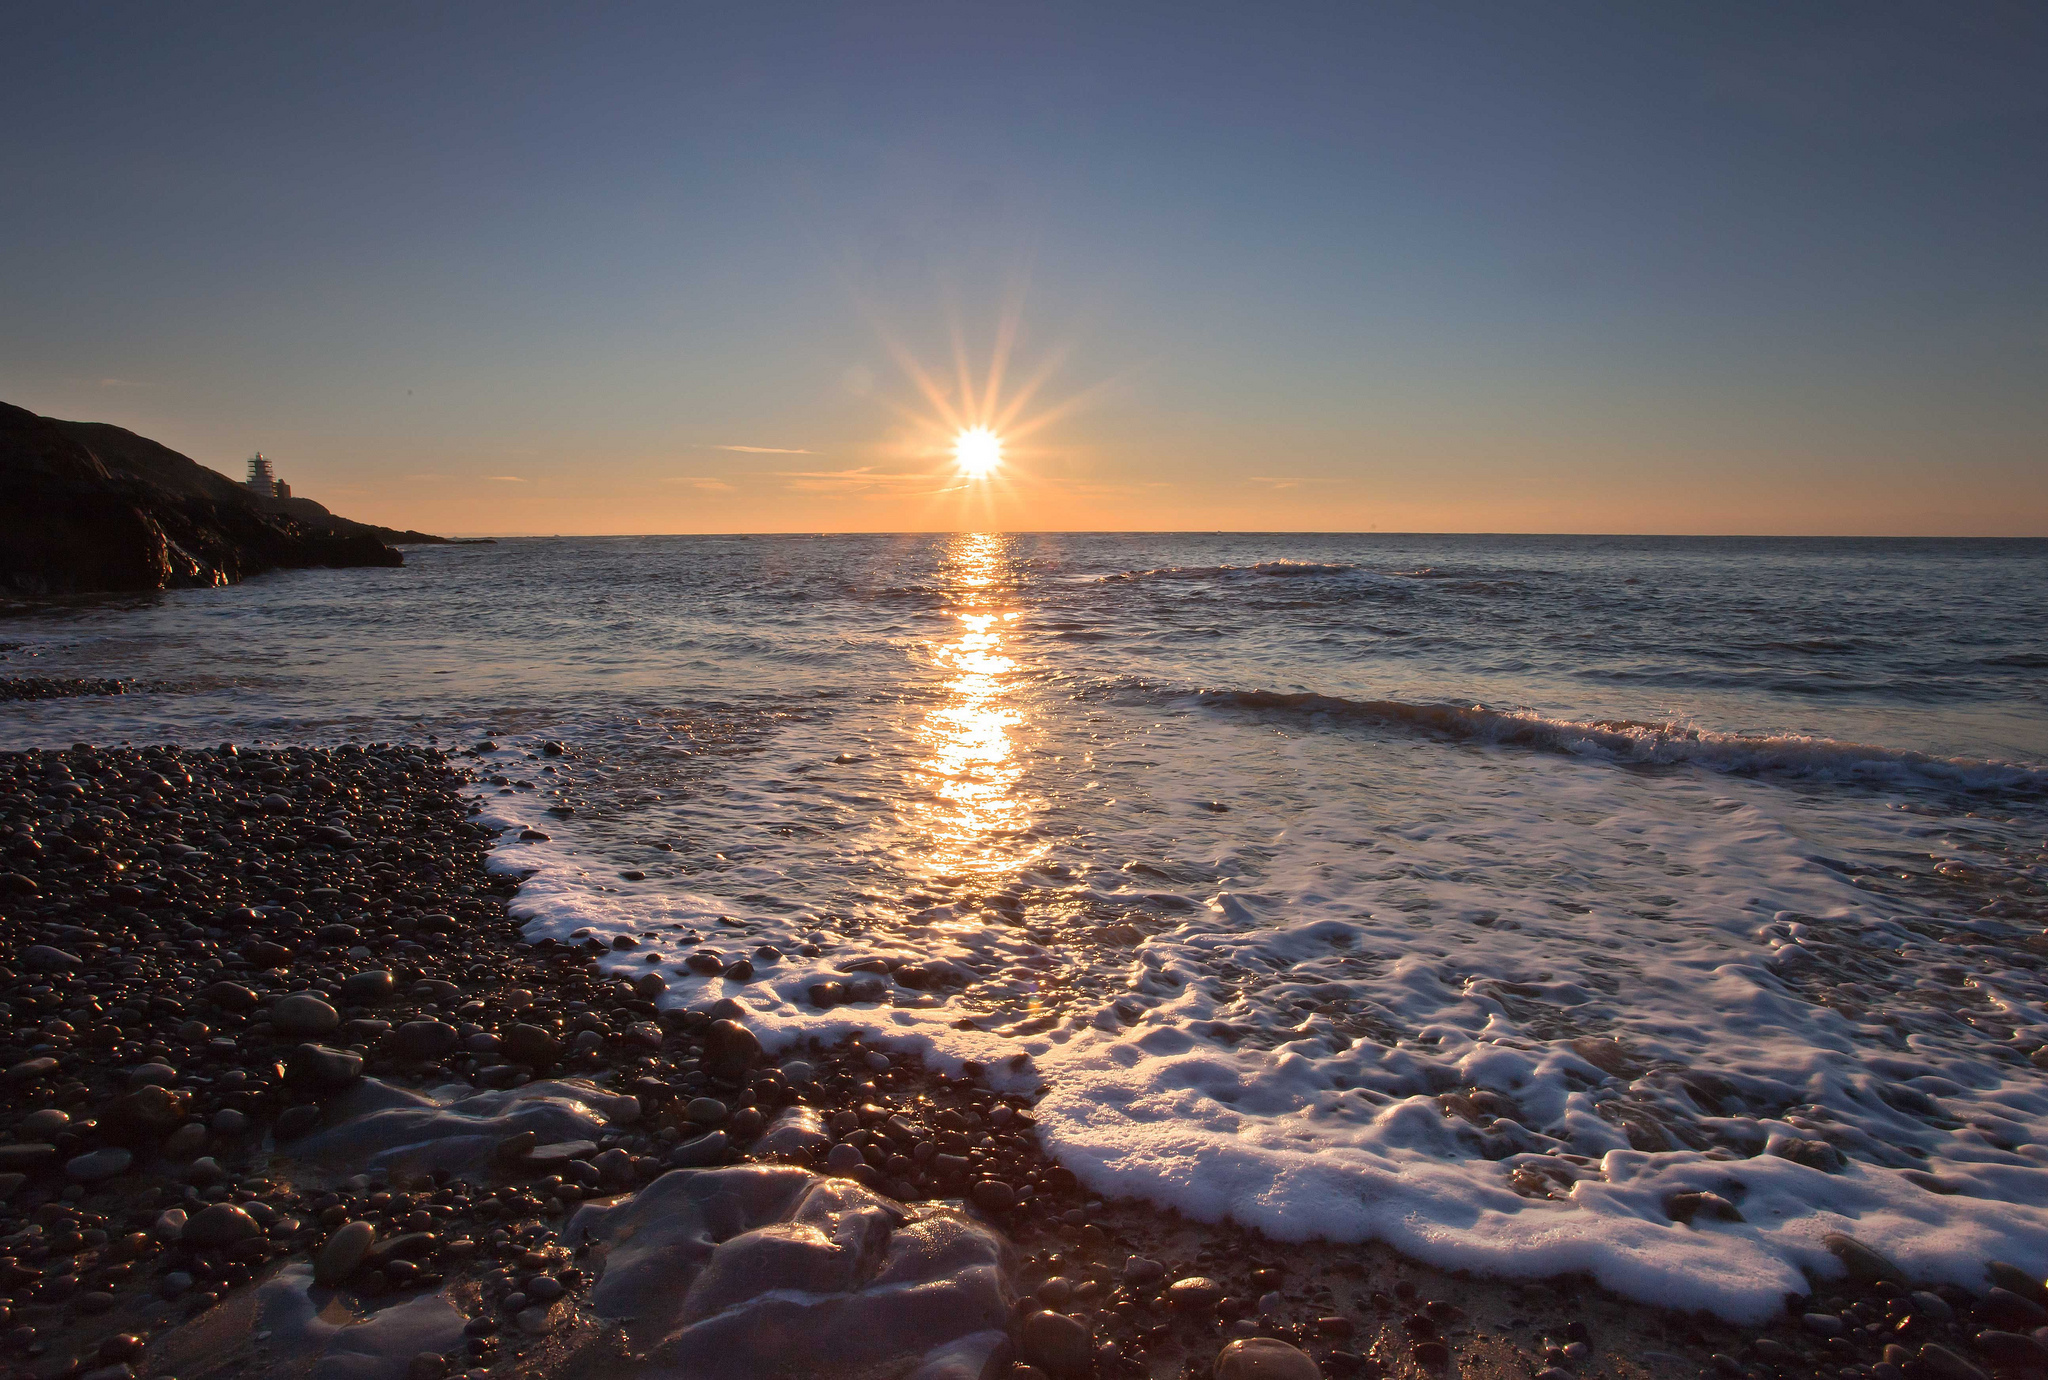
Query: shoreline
{"points": [[191, 938]]}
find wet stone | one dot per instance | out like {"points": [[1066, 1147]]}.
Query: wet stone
{"points": [[1264, 1358], [423, 1040], [328, 1068], [302, 1016], [222, 1224], [1864, 1265], [344, 1252], [529, 1044], [730, 1051], [373, 987], [99, 1164], [1059, 1344]]}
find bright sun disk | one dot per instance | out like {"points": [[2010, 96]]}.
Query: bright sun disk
{"points": [[977, 451]]}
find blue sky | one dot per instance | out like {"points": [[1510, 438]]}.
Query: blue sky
{"points": [[1516, 267]]}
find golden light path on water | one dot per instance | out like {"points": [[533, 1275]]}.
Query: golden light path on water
{"points": [[966, 811]]}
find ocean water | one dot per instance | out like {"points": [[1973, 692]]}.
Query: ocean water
{"points": [[1474, 894]]}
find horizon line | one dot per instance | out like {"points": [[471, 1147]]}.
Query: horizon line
{"points": [[1236, 532]]}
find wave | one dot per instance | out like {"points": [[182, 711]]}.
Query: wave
{"points": [[1271, 569], [1633, 743]]}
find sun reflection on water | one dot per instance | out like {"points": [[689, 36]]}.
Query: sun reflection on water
{"points": [[969, 815]]}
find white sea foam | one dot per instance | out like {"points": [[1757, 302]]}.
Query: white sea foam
{"points": [[1612, 961]]}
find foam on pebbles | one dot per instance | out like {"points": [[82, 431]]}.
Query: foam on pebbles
{"points": [[376, 1125], [763, 1270]]}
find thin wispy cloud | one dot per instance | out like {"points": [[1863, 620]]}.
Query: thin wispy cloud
{"points": [[428, 478], [865, 477], [707, 483], [1284, 481], [505, 478], [125, 383], [764, 450]]}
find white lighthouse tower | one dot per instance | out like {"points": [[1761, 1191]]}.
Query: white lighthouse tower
{"points": [[263, 479]]}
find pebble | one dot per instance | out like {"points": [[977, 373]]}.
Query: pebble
{"points": [[1864, 1265], [1140, 1271], [344, 1252], [697, 1154], [329, 1068], [222, 1224], [423, 1040], [303, 1016], [185, 1142], [1195, 1293], [529, 1044], [1264, 1358], [1058, 1343], [1942, 1364], [371, 987], [730, 1051], [95, 1165], [993, 1195]]}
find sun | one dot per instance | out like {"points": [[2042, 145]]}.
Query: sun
{"points": [[978, 451]]}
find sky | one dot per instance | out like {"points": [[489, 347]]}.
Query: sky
{"points": [[521, 268]]}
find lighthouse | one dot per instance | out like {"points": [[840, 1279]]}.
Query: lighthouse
{"points": [[263, 479]]}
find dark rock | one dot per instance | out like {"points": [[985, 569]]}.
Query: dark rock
{"points": [[29, 1157], [146, 1113], [95, 1165], [222, 1224], [2014, 1349], [1864, 1265], [699, 1153], [2012, 1277], [373, 987], [96, 508], [1264, 1358], [993, 1195], [1197, 1293], [1057, 1343], [1684, 1207], [529, 1044], [229, 996], [303, 1016], [730, 1051], [344, 1252], [1142, 1272], [423, 1040], [327, 1068], [294, 1122], [1939, 1363], [2004, 1306]]}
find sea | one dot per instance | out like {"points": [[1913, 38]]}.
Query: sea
{"points": [[1477, 895]]}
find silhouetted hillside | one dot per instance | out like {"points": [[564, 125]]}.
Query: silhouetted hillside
{"points": [[87, 507]]}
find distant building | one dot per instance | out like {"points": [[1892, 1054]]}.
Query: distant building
{"points": [[263, 479]]}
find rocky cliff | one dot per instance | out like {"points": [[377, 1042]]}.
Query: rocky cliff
{"points": [[87, 507]]}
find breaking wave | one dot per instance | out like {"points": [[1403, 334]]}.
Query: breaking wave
{"points": [[1658, 744]]}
